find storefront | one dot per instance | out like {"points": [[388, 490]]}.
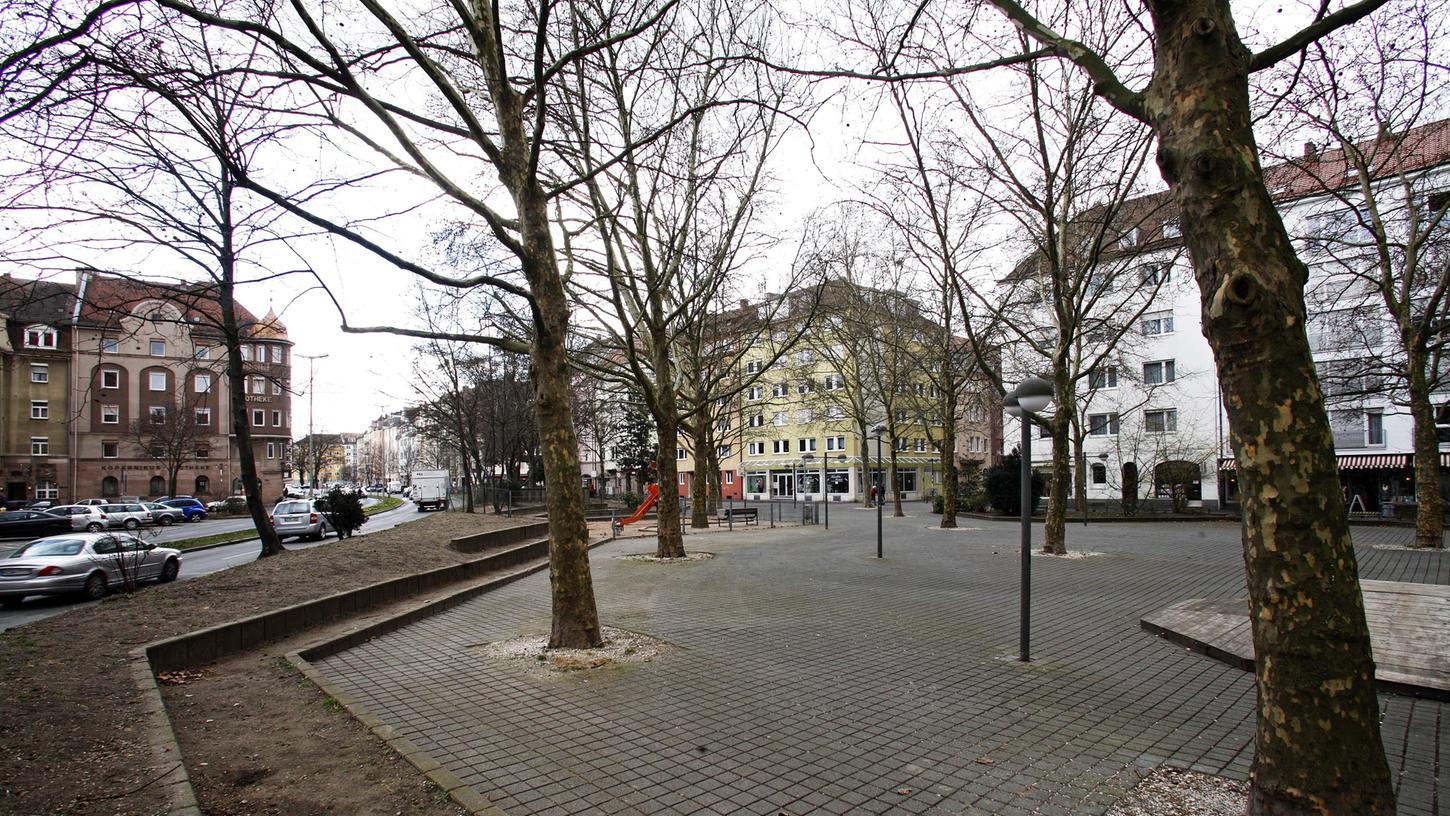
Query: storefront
{"points": [[1369, 482]]}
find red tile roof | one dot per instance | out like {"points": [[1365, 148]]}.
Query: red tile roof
{"points": [[106, 299]]}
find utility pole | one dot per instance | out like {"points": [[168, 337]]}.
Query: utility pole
{"points": [[311, 440]]}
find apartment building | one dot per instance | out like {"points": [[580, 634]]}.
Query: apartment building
{"points": [[1153, 413], [94, 370]]}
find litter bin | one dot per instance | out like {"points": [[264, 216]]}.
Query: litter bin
{"points": [[808, 514]]}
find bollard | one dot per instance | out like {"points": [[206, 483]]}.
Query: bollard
{"points": [[730, 515]]}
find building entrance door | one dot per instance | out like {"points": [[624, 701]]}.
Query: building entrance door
{"points": [[785, 484], [16, 490]]}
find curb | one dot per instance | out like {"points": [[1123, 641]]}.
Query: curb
{"points": [[460, 792], [180, 796]]}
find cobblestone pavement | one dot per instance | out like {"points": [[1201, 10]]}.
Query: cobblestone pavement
{"points": [[813, 678]]}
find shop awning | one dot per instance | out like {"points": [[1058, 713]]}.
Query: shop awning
{"points": [[1357, 461]]}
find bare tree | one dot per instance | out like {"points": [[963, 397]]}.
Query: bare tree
{"points": [[316, 451], [170, 437], [1379, 245]]}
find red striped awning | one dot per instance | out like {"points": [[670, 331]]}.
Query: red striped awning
{"points": [[1358, 461]]}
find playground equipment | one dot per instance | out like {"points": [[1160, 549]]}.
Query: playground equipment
{"points": [[651, 497]]}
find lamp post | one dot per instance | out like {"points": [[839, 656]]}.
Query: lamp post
{"points": [[881, 490], [1030, 397]]}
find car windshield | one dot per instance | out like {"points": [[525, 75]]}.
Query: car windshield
{"points": [[51, 546], [293, 507]]}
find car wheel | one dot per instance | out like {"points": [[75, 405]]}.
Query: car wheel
{"points": [[95, 527], [95, 588], [196, 518], [132, 524], [169, 572], [164, 521]]}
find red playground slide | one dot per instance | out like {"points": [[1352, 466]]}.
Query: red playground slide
{"points": [[651, 496]]}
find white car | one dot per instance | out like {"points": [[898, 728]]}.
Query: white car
{"points": [[88, 517], [130, 516]]}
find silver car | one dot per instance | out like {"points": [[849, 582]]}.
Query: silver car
{"points": [[130, 516], [85, 563], [163, 514], [88, 517], [300, 518]]}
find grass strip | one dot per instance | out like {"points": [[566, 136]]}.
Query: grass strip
{"points": [[383, 506], [216, 538]]}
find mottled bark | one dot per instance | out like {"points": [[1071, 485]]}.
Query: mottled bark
{"points": [[1430, 506], [949, 482], [1317, 742], [1080, 476], [700, 485], [1054, 526], [670, 540], [895, 483]]}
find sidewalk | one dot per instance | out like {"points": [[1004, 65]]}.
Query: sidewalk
{"points": [[813, 678]]}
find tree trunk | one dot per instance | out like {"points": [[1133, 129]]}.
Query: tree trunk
{"points": [[866, 483], [949, 483], [1054, 527], [700, 487], [1430, 506], [1317, 742], [1080, 482], [895, 484]]}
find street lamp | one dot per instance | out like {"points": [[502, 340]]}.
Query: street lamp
{"points": [[1031, 397], [881, 491]]}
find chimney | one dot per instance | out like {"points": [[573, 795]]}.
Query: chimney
{"points": [[1311, 152]]}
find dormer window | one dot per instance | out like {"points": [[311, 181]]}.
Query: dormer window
{"points": [[41, 337], [1129, 238]]}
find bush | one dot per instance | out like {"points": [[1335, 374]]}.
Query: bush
{"points": [[344, 510], [631, 500], [965, 504], [1003, 485]]}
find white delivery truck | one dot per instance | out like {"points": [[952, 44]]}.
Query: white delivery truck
{"points": [[430, 489]]}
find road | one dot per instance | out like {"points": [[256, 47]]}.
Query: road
{"points": [[196, 563]]}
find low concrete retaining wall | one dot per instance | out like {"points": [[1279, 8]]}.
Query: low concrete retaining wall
{"points": [[479, 542]]}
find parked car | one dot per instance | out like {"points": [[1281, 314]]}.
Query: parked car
{"points": [[32, 523], [42, 504], [191, 509], [303, 518], [130, 516], [231, 504], [163, 514], [86, 563], [96, 501], [377, 488], [87, 517]]}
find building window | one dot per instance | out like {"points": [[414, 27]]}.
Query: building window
{"points": [[246, 352], [158, 348], [110, 346], [755, 448], [805, 416], [277, 419], [780, 446], [259, 385], [203, 485], [157, 486], [46, 490], [1103, 377], [1129, 238], [730, 477], [1163, 421], [203, 452], [780, 419], [680, 453], [41, 337], [201, 353], [158, 414], [110, 487], [1157, 323], [806, 444], [754, 393], [1375, 430], [1154, 274], [835, 382], [835, 412], [778, 390], [277, 354], [756, 421], [156, 380], [39, 373], [271, 450], [203, 383], [1100, 474], [259, 417], [40, 409], [110, 450], [803, 387], [1103, 424], [203, 416], [110, 378], [754, 367], [682, 479], [920, 445], [276, 387], [1159, 372], [110, 414], [835, 443], [39, 446]]}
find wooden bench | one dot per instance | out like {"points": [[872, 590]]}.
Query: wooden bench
{"points": [[746, 515]]}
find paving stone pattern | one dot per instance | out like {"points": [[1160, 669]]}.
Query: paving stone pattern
{"points": [[812, 678]]}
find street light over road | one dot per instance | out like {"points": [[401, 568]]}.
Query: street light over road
{"points": [[1024, 402]]}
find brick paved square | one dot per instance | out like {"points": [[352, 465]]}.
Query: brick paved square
{"points": [[818, 679]]}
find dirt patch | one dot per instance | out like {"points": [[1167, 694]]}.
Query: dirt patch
{"points": [[620, 646], [651, 558], [1172, 792], [291, 750], [74, 740]]}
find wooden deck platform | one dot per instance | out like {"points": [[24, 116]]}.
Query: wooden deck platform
{"points": [[1409, 630]]}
